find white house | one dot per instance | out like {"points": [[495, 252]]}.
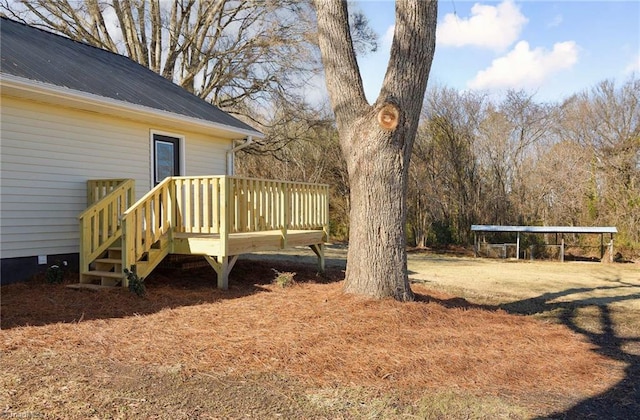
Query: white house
{"points": [[71, 112]]}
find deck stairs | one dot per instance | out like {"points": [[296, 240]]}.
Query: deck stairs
{"points": [[108, 269]]}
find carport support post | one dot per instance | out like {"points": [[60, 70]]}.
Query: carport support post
{"points": [[562, 250], [475, 244], [611, 249], [518, 247], [601, 246]]}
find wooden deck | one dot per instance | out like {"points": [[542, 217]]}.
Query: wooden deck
{"points": [[216, 217]]}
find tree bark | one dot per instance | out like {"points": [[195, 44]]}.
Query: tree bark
{"points": [[377, 140]]}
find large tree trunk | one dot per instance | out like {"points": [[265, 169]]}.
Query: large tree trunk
{"points": [[376, 258], [377, 140]]}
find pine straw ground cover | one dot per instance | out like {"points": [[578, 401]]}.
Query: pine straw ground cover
{"points": [[259, 350]]}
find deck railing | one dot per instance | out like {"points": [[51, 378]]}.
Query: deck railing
{"points": [[100, 223], [221, 205], [211, 204], [199, 204], [257, 205], [97, 189]]}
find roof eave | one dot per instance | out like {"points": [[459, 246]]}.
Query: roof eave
{"points": [[45, 92]]}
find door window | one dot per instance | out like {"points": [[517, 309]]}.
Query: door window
{"points": [[166, 157]]}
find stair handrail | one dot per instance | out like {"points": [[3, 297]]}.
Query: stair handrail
{"points": [[100, 224], [147, 220]]}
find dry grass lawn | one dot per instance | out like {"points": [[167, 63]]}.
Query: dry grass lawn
{"points": [[615, 285], [462, 350]]}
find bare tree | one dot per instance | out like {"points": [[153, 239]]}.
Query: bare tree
{"points": [[444, 170], [377, 140], [506, 148], [562, 183], [605, 122], [226, 51]]}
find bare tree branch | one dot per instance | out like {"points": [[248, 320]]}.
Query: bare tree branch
{"points": [[339, 60]]}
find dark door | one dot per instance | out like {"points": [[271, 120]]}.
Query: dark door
{"points": [[166, 157]]}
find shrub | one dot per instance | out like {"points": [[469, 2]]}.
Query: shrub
{"points": [[284, 279], [55, 273], [136, 283]]}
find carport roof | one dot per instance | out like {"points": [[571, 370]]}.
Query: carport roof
{"points": [[545, 229]]}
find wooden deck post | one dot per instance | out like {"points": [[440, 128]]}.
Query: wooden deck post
{"points": [[223, 263], [128, 248], [319, 251], [84, 241], [225, 214], [222, 266], [325, 214], [286, 212], [131, 195]]}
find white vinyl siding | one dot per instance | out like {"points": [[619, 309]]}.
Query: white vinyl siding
{"points": [[204, 157], [47, 153]]}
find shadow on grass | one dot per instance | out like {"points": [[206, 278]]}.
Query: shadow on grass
{"points": [[36, 303], [621, 401]]}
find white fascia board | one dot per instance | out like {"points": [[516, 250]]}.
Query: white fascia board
{"points": [[46, 92]]}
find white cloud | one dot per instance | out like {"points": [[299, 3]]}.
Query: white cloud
{"points": [[633, 67], [494, 27], [523, 67], [556, 21]]}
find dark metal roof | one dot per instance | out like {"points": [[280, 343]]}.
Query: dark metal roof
{"points": [[42, 56], [544, 229]]}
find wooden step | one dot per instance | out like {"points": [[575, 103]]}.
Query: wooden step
{"points": [[114, 253], [109, 260], [98, 273], [89, 286]]}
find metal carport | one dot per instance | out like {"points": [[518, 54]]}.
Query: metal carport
{"points": [[600, 230]]}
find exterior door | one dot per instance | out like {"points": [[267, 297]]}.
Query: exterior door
{"points": [[166, 157]]}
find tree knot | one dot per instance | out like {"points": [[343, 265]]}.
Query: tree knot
{"points": [[388, 117]]}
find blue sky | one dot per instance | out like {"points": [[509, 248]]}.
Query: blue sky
{"points": [[548, 48]]}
